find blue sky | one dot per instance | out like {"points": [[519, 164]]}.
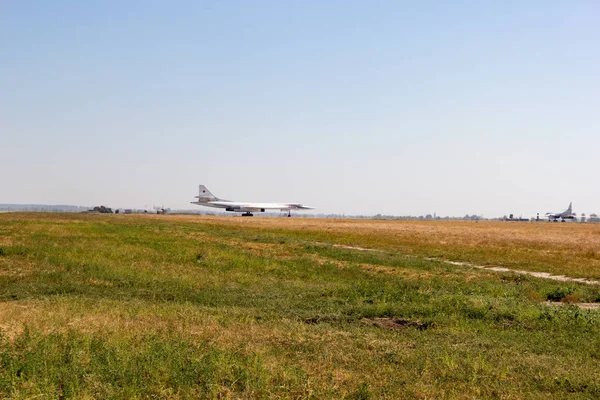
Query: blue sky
{"points": [[353, 107]]}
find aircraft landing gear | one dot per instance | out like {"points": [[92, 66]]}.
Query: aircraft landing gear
{"points": [[247, 214], [289, 214]]}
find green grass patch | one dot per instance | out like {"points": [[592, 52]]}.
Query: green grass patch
{"points": [[148, 307]]}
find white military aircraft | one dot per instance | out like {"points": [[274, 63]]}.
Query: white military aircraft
{"points": [[207, 199], [567, 214]]}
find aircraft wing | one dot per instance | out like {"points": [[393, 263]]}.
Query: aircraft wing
{"points": [[259, 206], [275, 206], [298, 207]]}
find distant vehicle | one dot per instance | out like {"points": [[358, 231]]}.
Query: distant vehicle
{"points": [[207, 199], [161, 209], [567, 214], [511, 217]]}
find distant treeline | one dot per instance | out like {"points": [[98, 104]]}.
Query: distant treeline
{"points": [[103, 209], [41, 208]]}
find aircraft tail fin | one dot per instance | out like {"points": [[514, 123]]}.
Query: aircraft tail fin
{"points": [[570, 209], [205, 194]]}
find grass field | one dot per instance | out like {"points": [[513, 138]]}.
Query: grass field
{"points": [[126, 306]]}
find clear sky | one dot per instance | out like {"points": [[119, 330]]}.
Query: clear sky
{"points": [[356, 107]]}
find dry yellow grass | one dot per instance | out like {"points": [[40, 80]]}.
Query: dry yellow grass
{"points": [[572, 249]]}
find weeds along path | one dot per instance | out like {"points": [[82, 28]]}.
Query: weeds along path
{"points": [[544, 275]]}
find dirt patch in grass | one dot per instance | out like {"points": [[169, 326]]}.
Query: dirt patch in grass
{"points": [[396, 324], [584, 306], [99, 282], [15, 267], [324, 260], [379, 269], [341, 246], [11, 315], [328, 319], [264, 249]]}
